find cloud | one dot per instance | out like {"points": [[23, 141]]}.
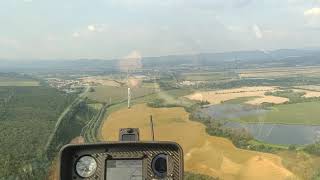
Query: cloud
{"points": [[91, 28], [7, 42], [257, 31], [76, 34], [27, 1], [97, 27], [235, 28], [312, 12], [52, 38], [312, 17], [241, 3]]}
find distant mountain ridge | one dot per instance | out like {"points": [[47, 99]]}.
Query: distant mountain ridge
{"points": [[285, 57]]}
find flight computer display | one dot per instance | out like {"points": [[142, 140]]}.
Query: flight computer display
{"points": [[124, 170]]}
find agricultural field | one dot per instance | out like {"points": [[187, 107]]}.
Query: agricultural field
{"points": [[17, 81], [228, 162], [112, 94], [207, 76], [289, 106], [309, 87], [150, 85], [312, 71], [101, 80], [219, 96], [308, 93]]}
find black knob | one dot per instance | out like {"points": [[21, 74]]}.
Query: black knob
{"points": [[160, 165], [130, 130]]}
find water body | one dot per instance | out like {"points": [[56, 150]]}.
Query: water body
{"points": [[231, 111], [270, 133]]}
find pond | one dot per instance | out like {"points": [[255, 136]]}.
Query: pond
{"points": [[270, 133]]}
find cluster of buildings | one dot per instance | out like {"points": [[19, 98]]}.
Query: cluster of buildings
{"points": [[68, 86]]}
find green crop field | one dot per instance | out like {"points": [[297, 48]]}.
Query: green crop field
{"points": [[299, 113], [17, 81], [116, 94], [239, 100], [209, 76]]}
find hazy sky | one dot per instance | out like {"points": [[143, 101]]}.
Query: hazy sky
{"points": [[68, 29]]}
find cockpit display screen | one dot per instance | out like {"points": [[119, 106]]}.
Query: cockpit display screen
{"points": [[124, 170]]}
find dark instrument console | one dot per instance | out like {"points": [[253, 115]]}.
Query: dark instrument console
{"points": [[123, 160]]}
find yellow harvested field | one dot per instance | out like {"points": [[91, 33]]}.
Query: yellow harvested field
{"points": [[308, 93], [311, 94], [268, 99], [216, 97], [100, 80], [204, 154]]}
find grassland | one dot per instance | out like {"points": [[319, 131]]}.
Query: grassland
{"points": [[203, 153]]}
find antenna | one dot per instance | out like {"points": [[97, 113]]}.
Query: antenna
{"points": [[152, 130], [129, 90], [129, 97]]}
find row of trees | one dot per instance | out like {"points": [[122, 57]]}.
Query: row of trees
{"points": [[281, 81]]}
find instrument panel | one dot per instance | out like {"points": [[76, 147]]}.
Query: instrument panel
{"points": [[122, 161]]}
